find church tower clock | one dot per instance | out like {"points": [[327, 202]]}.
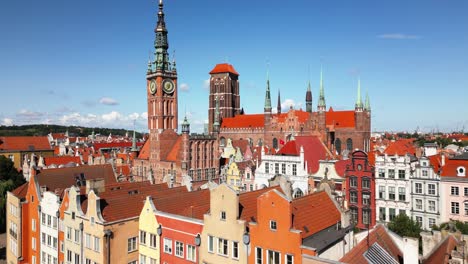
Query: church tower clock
{"points": [[161, 82]]}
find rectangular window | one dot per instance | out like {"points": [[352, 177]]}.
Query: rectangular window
{"points": [[49, 220], [353, 197], [142, 259], [167, 245], [251, 187], [235, 250], [153, 240], [273, 225], [353, 182], [465, 190], [366, 199], [276, 168], [418, 188], [424, 173], [222, 247], [381, 173], [87, 242], [210, 244], [267, 167], [191, 253], [258, 255], [391, 193], [179, 249], [97, 242], [382, 192], [77, 236], [402, 194], [33, 243], [43, 218], [55, 243], [432, 206], [391, 213], [455, 208], [223, 215], [431, 189], [365, 217], [366, 183], [54, 222], [283, 169], [132, 244], [419, 220], [354, 215], [401, 174], [431, 222], [391, 173], [294, 169], [466, 208], [289, 259], [454, 190], [273, 257], [418, 204], [43, 240], [69, 256], [142, 237], [33, 224], [401, 211]]}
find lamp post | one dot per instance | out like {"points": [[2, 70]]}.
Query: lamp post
{"points": [[246, 241], [197, 244], [159, 232]]}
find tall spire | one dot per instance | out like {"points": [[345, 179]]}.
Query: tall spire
{"points": [[267, 95], [278, 107], [309, 98], [359, 99], [161, 44], [134, 146], [321, 103], [367, 106], [185, 125]]}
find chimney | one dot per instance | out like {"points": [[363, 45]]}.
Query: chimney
{"points": [[442, 159], [97, 185], [410, 250]]}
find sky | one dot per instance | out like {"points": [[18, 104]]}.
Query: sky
{"points": [[84, 62]]}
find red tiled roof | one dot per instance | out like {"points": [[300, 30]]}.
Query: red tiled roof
{"points": [[190, 204], [442, 253], [98, 146], [244, 121], [401, 147], [174, 153], [145, 151], [435, 162], [340, 166], [451, 166], [124, 170], [339, 118], [20, 192], [242, 144], [223, 68], [61, 160], [308, 213], [380, 236], [248, 203], [314, 150], [24, 143]]}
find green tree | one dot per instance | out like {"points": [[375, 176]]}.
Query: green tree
{"points": [[10, 178], [403, 225]]}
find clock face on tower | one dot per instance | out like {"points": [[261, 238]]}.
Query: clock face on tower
{"points": [[152, 87], [168, 86]]}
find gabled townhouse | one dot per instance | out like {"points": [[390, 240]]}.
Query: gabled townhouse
{"points": [[286, 229], [296, 160], [49, 226], [171, 227], [225, 236], [14, 222], [240, 175], [392, 183], [454, 190], [360, 193], [425, 194]]}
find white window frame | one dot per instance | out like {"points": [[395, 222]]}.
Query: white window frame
{"points": [[225, 244], [211, 243], [273, 225], [191, 253], [258, 259], [179, 249], [167, 242], [235, 248], [132, 244], [286, 258]]}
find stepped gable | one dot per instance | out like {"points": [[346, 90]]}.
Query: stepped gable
{"points": [[314, 151], [248, 203], [24, 143], [378, 235], [442, 252], [340, 119], [308, 213]]}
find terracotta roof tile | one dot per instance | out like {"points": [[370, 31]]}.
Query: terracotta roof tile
{"points": [[98, 146], [244, 121], [340, 166], [378, 235], [339, 118], [451, 166], [190, 204], [174, 153], [442, 253], [308, 213], [401, 147], [248, 203], [20, 192], [224, 68], [61, 160], [145, 151], [24, 143]]}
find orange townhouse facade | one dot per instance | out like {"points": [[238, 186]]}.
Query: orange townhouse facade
{"points": [[30, 224]]}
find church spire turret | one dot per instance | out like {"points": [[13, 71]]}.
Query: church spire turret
{"points": [[321, 103], [267, 96], [134, 146], [185, 126], [161, 44], [278, 107], [359, 99], [367, 106], [309, 99]]}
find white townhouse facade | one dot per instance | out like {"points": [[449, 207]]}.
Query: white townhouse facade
{"points": [[425, 194], [393, 186], [49, 226]]}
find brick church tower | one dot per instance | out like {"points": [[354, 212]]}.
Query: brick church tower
{"points": [[161, 84], [224, 87]]}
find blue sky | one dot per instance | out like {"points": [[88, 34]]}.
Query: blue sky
{"points": [[84, 62]]}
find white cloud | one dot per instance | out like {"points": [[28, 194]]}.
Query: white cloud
{"points": [[184, 87], [28, 113], [108, 101], [287, 104], [112, 116], [7, 122], [398, 36], [144, 115], [112, 119], [206, 84]]}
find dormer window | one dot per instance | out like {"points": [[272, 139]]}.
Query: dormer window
{"points": [[461, 171], [223, 215], [273, 225]]}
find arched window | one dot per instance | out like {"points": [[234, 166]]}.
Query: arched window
{"points": [[338, 145], [297, 193], [349, 144], [275, 143]]}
